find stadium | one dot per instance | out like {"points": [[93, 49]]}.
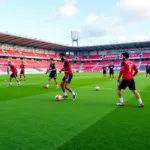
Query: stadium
{"points": [[38, 117]]}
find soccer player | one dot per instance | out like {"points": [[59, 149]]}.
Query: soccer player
{"points": [[14, 73], [111, 71], [147, 70], [67, 78], [128, 71], [53, 74], [22, 72], [104, 71]]}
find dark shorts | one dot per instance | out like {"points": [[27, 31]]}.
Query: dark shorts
{"points": [[104, 72], [21, 72], [148, 71], [67, 79], [127, 83], [53, 75], [13, 75], [111, 72]]}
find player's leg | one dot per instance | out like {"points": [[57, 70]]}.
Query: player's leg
{"points": [[16, 78], [121, 101], [103, 74], [67, 87], [132, 87], [56, 82], [24, 75], [21, 75], [48, 83], [113, 75], [122, 85], [146, 74], [10, 79], [136, 93], [63, 88]]}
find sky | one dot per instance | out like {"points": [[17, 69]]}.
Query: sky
{"points": [[97, 21]]}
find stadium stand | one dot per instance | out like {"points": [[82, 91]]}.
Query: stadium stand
{"points": [[12, 52], [36, 54], [94, 56], [146, 55], [1, 52], [42, 55]]}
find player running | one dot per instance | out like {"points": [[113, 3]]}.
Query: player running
{"points": [[67, 78], [22, 71], [147, 70], [104, 71], [128, 71], [53, 74], [14, 73], [111, 71]]}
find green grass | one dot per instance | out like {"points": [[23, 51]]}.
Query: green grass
{"points": [[31, 119]]}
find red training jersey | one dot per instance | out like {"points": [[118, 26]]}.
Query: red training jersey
{"points": [[13, 69], [22, 67], [128, 69], [67, 67]]}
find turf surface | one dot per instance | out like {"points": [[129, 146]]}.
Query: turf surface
{"points": [[30, 118]]}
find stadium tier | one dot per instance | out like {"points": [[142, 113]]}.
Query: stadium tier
{"points": [[87, 59], [146, 55]]}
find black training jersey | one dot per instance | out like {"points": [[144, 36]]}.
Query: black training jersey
{"points": [[111, 68], [148, 67], [51, 67], [104, 68]]}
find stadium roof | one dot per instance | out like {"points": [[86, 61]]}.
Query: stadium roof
{"points": [[119, 46], [22, 41]]}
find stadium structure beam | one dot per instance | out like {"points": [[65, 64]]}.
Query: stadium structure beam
{"points": [[15, 41], [27, 42], [6, 39], [3, 36]]}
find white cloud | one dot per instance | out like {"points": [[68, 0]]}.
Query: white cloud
{"points": [[67, 10], [133, 10], [101, 26], [128, 11]]}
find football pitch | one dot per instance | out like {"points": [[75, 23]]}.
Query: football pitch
{"points": [[31, 119]]}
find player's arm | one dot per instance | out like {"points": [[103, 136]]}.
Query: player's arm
{"points": [[135, 71], [54, 68], [64, 68], [121, 71], [47, 71]]}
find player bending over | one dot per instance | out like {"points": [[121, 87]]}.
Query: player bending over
{"points": [[22, 71], [128, 71], [67, 78], [147, 70], [111, 71], [53, 74], [104, 71]]}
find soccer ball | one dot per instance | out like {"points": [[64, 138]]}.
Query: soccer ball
{"points": [[97, 88], [58, 97]]}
